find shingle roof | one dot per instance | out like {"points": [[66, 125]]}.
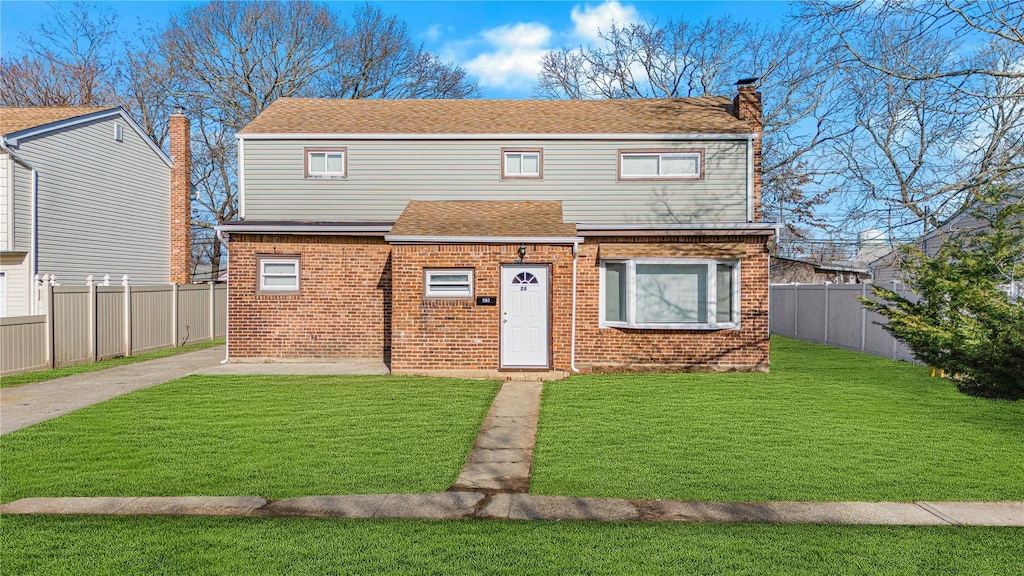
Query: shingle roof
{"points": [[639, 116], [17, 119], [492, 219]]}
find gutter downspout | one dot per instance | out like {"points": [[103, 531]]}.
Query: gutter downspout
{"points": [[227, 302], [572, 337], [32, 255]]}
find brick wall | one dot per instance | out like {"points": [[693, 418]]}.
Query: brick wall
{"points": [[457, 334], [342, 311], [181, 199], [362, 298], [622, 349]]}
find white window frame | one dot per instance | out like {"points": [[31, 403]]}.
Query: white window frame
{"points": [[505, 153], [342, 152], [712, 295], [264, 260], [661, 154], [427, 283]]}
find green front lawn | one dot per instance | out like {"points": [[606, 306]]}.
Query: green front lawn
{"points": [[825, 424], [277, 437], [42, 375], [153, 545]]}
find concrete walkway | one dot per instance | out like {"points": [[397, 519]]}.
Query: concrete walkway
{"points": [[23, 406], [502, 456], [456, 505]]}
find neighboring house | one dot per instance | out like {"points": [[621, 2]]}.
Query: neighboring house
{"points": [[793, 270], [482, 237], [84, 192]]}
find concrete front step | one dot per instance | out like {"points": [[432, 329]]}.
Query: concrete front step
{"points": [[502, 506]]}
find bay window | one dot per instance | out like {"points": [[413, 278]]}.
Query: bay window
{"points": [[670, 293]]}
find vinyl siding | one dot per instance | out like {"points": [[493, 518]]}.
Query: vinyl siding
{"points": [[15, 268], [384, 175], [5, 212], [22, 207], [103, 205]]}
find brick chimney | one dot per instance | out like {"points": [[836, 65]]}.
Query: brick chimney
{"points": [[181, 199], [747, 107]]}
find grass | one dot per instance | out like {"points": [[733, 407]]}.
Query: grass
{"points": [[825, 424], [159, 545], [276, 437], [43, 375]]}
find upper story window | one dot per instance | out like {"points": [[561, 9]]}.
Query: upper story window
{"points": [[661, 164], [670, 293], [522, 163], [326, 162], [278, 274]]}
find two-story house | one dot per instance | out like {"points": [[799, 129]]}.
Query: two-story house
{"points": [[85, 192], [476, 236]]}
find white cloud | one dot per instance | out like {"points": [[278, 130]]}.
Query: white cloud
{"points": [[433, 33], [590, 21], [513, 55]]}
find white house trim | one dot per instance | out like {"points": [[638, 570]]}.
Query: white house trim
{"points": [[524, 136]]}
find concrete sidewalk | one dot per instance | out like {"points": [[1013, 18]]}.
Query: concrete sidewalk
{"points": [[502, 456], [503, 506], [23, 406]]}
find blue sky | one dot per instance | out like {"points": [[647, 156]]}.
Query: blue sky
{"points": [[498, 43]]}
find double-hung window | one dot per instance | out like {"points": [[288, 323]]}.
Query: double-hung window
{"points": [[279, 274], [522, 163], [670, 293], [660, 164], [448, 283], [326, 163]]}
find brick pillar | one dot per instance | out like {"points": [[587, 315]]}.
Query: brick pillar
{"points": [[747, 107], [181, 199]]}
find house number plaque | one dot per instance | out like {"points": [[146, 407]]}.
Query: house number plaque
{"points": [[486, 300]]}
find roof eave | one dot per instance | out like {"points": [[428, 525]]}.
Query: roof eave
{"points": [[494, 136]]}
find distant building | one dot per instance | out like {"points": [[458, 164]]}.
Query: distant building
{"points": [[793, 270]]}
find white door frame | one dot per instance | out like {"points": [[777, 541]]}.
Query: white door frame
{"points": [[501, 317]]}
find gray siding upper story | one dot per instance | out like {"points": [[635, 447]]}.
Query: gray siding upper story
{"points": [[15, 206], [383, 175], [6, 199], [103, 205]]}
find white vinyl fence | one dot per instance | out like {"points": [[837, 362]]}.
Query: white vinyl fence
{"points": [[831, 314], [89, 323]]}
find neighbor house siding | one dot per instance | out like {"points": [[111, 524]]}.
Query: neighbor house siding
{"points": [[18, 279], [22, 217], [384, 175], [103, 205], [6, 191]]}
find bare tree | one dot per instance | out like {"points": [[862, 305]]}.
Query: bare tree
{"points": [[935, 96], [70, 60], [680, 59], [375, 57]]}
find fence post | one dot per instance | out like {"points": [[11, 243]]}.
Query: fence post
{"points": [[863, 318], [796, 310], [127, 315], [174, 314], [48, 296], [826, 312], [213, 308], [93, 321]]}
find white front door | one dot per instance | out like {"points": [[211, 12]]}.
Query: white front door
{"points": [[524, 316]]}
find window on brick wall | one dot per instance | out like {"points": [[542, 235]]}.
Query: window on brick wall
{"points": [[670, 293], [448, 283], [278, 274]]}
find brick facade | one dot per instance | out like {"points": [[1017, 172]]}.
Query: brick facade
{"points": [[628, 349], [343, 309], [457, 334], [360, 297], [181, 199]]}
